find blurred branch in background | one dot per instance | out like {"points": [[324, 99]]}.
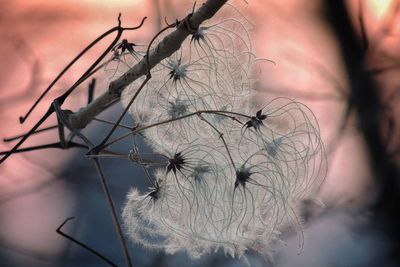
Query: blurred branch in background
{"points": [[23, 50]]}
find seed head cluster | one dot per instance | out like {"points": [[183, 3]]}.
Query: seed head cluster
{"points": [[233, 174]]}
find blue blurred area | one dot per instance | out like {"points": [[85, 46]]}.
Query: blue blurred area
{"points": [[332, 239], [93, 224]]}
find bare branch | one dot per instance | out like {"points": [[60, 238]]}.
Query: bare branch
{"points": [[60, 232], [164, 49]]}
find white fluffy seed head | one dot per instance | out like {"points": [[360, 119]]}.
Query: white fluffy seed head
{"points": [[234, 174]]}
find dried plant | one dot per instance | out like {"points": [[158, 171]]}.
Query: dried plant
{"points": [[225, 173]]}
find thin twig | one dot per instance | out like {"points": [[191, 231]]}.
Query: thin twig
{"points": [[112, 123], [145, 127], [164, 49], [46, 146], [10, 139], [221, 136], [114, 214], [82, 244], [60, 100], [92, 44], [92, 87]]}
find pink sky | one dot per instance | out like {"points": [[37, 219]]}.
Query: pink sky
{"points": [[292, 33]]}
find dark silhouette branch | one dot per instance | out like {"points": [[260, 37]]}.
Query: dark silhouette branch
{"points": [[164, 49], [60, 100], [82, 244], [370, 108]]}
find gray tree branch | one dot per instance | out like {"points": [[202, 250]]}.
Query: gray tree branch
{"points": [[164, 49]]}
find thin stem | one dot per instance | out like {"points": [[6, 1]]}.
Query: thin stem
{"points": [[82, 244], [221, 136], [30, 132], [60, 100], [141, 162], [112, 123], [10, 139], [86, 49], [63, 119], [46, 146], [63, 122], [140, 129], [111, 205], [108, 155], [101, 145], [164, 49], [148, 77], [91, 89], [199, 112]]}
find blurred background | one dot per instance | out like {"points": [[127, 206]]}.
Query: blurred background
{"points": [[347, 74]]}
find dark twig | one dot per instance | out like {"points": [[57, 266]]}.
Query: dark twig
{"points": [[141, 128], [62, 116], [370, 107], [164, 49], [60, 100], [46, 146], [92, 87], [148, 77], [114, 214], [10, 139], [112, 123], [79, 243], [118, 28], [76, 121]]}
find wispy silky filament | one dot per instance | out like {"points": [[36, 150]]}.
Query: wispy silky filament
{"points": [[234, 174]]}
